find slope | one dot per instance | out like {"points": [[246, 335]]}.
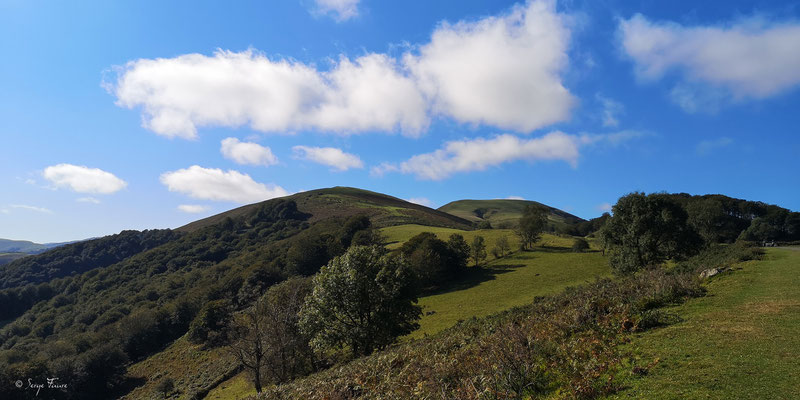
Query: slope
{"points": [[504, 213], [383, 210], [742, 341]]}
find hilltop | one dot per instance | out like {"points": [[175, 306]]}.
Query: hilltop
{"points": [[505, 213], [383, 210]]}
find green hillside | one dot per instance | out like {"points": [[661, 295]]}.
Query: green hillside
{"points": [[130, 310], [742, 341], [342, 202], [504, 213]]}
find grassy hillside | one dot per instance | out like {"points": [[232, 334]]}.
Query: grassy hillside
{"points": [[740, 342], [503, 284], [24, 246], [320, 204], [504, 213]]}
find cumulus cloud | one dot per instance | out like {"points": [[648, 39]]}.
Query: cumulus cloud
{"points": [[247, 153], [503, 71], [32, 208], [749, 59], [218, 185], [481, 153], [178, 95], [335, 158], [88, 200], [423, 201], [709, 146], [341, 10], [83, 179], [193, 208], [515, 198]]}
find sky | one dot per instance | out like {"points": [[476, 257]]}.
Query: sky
{"points": [[152, 114]]}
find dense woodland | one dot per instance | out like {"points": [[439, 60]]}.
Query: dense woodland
{"points": [[85, 311]]}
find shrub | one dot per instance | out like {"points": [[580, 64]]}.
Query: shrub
{"points": [[580, 245]]}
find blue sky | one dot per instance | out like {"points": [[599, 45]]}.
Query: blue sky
{"points": [[150, 114]]}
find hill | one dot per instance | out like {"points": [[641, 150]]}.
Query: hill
{"points": [[343, 202], [134, 307], [6, 258], [505, 213], [27, 247]]}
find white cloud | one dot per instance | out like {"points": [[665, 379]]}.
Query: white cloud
{"points": [[229, 89], [611, 110], [341, 10], [82, 179], [515, 198], [750, 59], [708, 146], [218, 185], [481, 153], [423, 201], [193, 208], [32, 208], [88, 200], [604, 207], [5, 211], [330, 156], [502, 71], [247, 153]]}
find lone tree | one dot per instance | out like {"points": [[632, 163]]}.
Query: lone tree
{"points": [[478, 250], [363, 300], [645, 231], [531, 226], [503, 246], [266, 338], [580, 245]]}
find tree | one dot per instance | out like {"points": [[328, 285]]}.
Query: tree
{"points": [[209, 325], [165, 386], [361, 301], [645, 231], [460, 249], [432, 260], [580, 245], [478, 250], [531, 225], [265, 338], [707, 217], [503, 246]]}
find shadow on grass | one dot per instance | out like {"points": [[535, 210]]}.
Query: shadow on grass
{"points": [[473, 277]]}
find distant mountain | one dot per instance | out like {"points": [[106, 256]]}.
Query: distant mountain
{"points": [[505, 213], [27, 247]]}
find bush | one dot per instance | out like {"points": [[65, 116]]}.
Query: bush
{"points": [[580, 245]]}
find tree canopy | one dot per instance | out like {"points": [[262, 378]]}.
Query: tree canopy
{"points": [[646, 230], [531, 225], [361, 301]]}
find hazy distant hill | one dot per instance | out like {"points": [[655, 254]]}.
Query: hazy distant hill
{"points": [[504, 213], [27, 247]]}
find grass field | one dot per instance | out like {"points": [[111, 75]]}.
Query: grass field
{"points": [[504, 283], [741, 341]]}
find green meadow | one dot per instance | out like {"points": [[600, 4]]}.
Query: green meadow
{"points": [[740, 341]]}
